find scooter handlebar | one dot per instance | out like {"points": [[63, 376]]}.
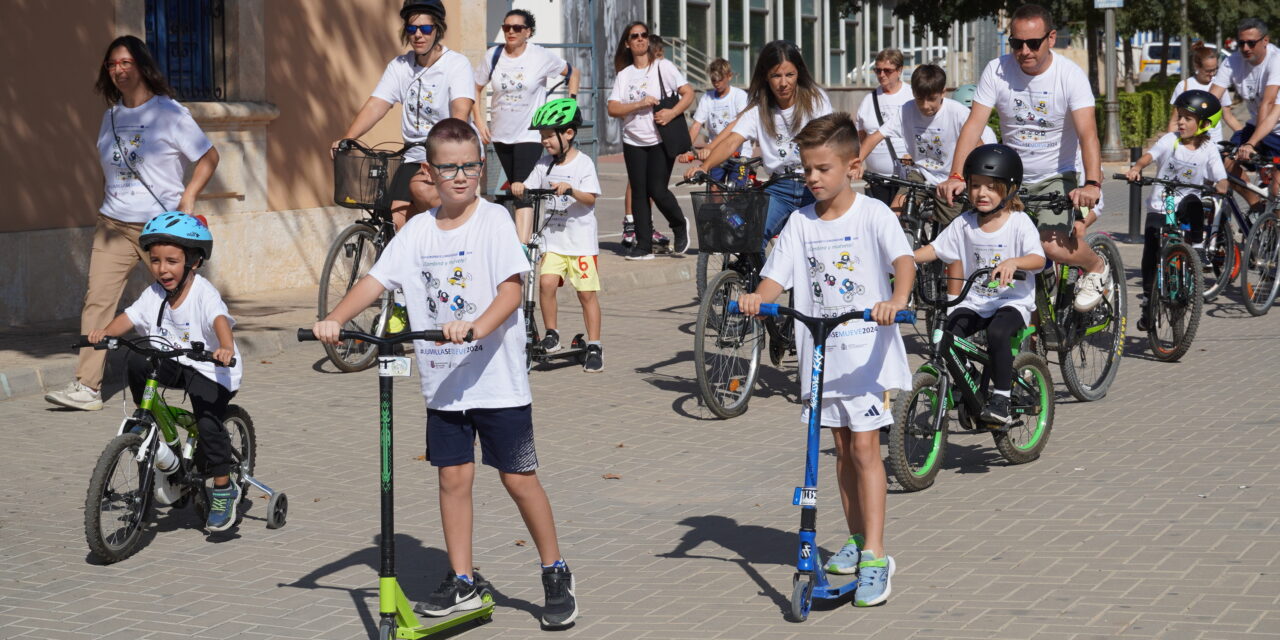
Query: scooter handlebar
{"points": [[905, 316]]}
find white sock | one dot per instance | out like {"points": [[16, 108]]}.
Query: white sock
{"points": [[1001, 392]]}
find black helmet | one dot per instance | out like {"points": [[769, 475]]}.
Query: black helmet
{"points": [[434, 8], [1201, 104], [995, 160]]}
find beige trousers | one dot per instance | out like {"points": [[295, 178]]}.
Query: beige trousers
{"points": [[115, 253]]}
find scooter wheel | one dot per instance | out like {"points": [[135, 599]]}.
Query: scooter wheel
{"points": [[387, 630], [277, 510], [801, 599]]}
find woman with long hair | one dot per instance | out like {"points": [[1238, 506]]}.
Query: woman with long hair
{"points": [[641, 83], [145, 144], [882, 111], [783, 98]]}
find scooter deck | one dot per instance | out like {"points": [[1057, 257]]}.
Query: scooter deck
{"points": [[408, 625]]}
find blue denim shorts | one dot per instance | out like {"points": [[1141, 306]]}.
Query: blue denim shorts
{"points": [[506, 438]]}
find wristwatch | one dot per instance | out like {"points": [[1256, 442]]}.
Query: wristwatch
{"points": [[1093, 183]]}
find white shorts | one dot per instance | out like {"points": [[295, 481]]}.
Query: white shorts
{"points": [[859, 413]]}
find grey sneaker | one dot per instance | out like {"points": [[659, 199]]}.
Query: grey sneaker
{"points": [[550, 342], [594, 361], [845, 562], [222, 507], [76, 396], [873, 580]]}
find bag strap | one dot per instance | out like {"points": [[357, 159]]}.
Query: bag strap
{"points": [[875, 102], [493, 60]]}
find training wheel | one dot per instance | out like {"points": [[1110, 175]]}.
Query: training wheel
{"points": [[277, 510], [801, 599]]}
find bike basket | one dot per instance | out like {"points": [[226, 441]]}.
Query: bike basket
{"points": [[357, 175], [730, 221]]}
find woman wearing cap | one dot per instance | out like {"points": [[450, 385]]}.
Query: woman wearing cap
{"points": [[433, 82], [146, 142]]}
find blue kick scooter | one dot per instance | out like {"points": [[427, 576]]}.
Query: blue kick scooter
{"points": [[810, 580]]}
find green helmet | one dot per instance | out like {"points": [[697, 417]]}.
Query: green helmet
{"points": [[964, 94], [561, 113]]}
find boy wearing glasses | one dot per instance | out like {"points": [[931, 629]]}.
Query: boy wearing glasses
{"points": [[472, 388], [1254, 70]]}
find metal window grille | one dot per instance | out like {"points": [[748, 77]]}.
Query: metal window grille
{"points": [[188, 40]]}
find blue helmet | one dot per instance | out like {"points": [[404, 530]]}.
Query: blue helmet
{"points": [[176, 227]]}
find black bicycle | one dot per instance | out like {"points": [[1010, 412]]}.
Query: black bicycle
{"points": [[740, 175]]}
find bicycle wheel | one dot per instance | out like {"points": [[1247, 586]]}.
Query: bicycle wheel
{"points": [[726, 348], [918, 436], [244, 446], [709, 264], [1032, 402], [1090, 366], [118, 505], [350, 257], [1222, 258], [1261, 259], [1175, 310]]}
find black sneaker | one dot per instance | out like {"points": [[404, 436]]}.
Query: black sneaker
{"points": [[1144, 320], [561, 607], [636, 253], [550, 342], [594, 361], [454, 594], [997, 411], [682, 237]]}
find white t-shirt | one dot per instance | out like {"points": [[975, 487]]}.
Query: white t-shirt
{"points": [[157, 136], [890, 109], [454, 275], [1035, 112], [931, 141], [191, 322], [519, 88], [779, 152], [1188, 84], [715, 113], [965, 240], [1249, 80], [633, 85], [1175, 161], [425, 93], [834, 266], [570, 225]]}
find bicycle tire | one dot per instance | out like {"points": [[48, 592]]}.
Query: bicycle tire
{"points": [[709, 264], [1032, 382], [1222, 254], [353, 252], [726, 381], [1260, 260], [912, 436], [1105, 331], [244, 447], [133, 495], [1179, 305]]}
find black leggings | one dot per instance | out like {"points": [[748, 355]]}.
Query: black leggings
{"points": [[517, 162], [1191, 213], [1001, 327], [648, 172], [208, 401]]}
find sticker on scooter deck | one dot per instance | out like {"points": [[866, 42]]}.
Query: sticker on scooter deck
{"points": [[393, 366]]}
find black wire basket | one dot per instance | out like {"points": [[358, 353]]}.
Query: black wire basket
{"points": [[358, 174], [730, 221]]}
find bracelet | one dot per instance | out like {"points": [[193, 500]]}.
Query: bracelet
{"points": [[1247, 144], [956, 176]]}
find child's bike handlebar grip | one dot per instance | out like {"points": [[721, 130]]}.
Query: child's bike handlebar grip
{"points": [[905, 316], [766, 308], [305, 335]]}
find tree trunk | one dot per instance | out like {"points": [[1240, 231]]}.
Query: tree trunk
{"points": [[1164, 54], [1091, 47], [1128, 64]]}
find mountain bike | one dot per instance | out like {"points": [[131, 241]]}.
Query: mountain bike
{"points": [[921, 226], [740, 174], [955, 377], [360, 179], [1223, 253], [1089, 344], [151, 460]]}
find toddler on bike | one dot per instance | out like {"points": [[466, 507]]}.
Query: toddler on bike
{"points": [[857, 241], [1184, 156], [998, 234], [477, 388], [182, 308], [570, 231]]}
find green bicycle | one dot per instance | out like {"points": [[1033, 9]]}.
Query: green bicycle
{"points": [[151, 461]]}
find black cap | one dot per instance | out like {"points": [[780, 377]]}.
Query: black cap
{"points": [[994, 160], [434, 8]]}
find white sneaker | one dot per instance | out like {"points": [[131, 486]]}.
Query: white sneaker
{"points": [[76, 396], [1091, 289]]}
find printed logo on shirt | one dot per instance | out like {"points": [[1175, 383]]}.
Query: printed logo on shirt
{"points": [[131, 144], [420, 100], [1031, 110]]}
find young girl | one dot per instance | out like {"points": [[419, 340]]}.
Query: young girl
{"points": [[999, 235], [1184, 156], [783, 99]]}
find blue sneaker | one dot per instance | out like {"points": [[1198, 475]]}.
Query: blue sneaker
{"points": [[846, 561], [222, 507], [873, 580]]}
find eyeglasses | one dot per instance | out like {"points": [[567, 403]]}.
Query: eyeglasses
{"points": [[1031, 43], [125, 64], [880, 70], [450, 171], [637, 36], [426, 29], [514, 28], [1252, 43]]}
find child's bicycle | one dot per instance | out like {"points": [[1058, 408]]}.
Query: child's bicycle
{"points": [[810, 580], [955, 377], [727, 348], [360, 179], [1089, 344], [151, 460], [1177, 300], [921, 226], [534, 353], [398, 619]]}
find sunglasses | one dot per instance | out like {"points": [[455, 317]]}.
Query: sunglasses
{"points": [[125, 64], [880, 70], [426, 29], [1252, 43], [1033, 44], [450, 171], [514, 28], [637, 36]]}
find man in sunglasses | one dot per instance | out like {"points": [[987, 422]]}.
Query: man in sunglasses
{"points": [[1047, 115], [1254, 70]]}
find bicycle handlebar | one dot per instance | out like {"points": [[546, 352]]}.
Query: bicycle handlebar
{"points": [[702, 177], [434, 335], [1172, 184], [197, 351], [880, 178], [770, 309], [347, 144], [964, 293]]}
